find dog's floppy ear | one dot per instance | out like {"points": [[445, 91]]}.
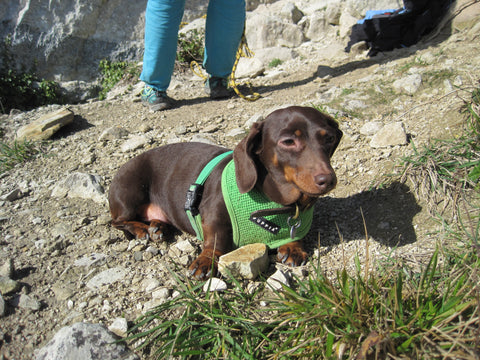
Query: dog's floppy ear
{"points": [[245, 169]]}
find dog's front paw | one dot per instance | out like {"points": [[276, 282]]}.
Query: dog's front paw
{"points": [[292, 254], [156, 230], [204, 266]]}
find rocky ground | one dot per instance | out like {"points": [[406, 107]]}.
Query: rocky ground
{"points": [[70, 265]]}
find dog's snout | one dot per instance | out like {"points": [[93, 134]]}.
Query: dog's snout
{"points": [[326, 182]]}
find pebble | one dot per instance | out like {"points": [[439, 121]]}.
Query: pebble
{"points": [[119, 327], [152, 304], [94, 259], [352, 105], [27, 302], [113, 133], [185, 246], [180, 130], [409, 84], [162, 293], [107, 277], [2, 307], [150, 284], [237, 133], [63, 291], [7, 269], [13, 195], [371, 128], [80, 185], [8, 286], [390, 135], [278, 279], [215, 284], [138, 255], [152, 250], [134, 143]]}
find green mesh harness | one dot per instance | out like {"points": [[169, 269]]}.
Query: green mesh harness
{"points": [[273, 230], [254, 217]]}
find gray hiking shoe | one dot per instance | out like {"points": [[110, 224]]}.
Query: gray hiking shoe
{"points": [[155, 99], [217, 88]]}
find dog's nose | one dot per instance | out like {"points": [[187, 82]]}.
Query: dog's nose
{"points": [[326, 182]]}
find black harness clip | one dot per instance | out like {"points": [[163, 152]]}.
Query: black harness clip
{"points": [[194, 197]]}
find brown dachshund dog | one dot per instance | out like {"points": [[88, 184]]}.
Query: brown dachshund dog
{"points": [[287, 157]]}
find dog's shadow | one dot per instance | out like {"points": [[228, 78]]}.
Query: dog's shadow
{"points": [[387, 215]]}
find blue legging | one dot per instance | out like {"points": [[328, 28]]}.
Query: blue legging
{"points": [[224, 28]]}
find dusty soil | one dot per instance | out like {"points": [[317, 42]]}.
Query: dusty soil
{"points": [[44, 236]]}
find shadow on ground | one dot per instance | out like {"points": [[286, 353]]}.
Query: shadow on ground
{"points": [[388, 214], [78, 124]]}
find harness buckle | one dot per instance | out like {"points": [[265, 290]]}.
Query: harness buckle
{"points": [[194, 197], [295, 226]]}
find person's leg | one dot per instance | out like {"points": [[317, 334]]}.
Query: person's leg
{"points": [[162, 21], [223, 32]]}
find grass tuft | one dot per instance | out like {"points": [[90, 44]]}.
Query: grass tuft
{"points": [[16, 153], [394, 311], [443, 171], [205, 326], [275, 62]]}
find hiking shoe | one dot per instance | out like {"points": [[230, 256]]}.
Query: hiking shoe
{"points": [[155, 99], [217, 88]]}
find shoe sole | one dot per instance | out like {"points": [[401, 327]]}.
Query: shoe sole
{"points": [[157, 107]]}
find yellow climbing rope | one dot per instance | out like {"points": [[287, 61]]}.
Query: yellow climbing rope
{"points": [[242, 51]]}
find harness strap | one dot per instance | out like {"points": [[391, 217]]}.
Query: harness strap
{"points": [[195, 192]]}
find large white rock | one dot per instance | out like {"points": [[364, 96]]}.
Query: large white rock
{"points": [[81, 185], [84, 341]]}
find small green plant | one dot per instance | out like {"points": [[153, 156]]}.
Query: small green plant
{"points": [[190, 46], [21, 88], [472, 110], [275, 62], [112, 73], [16, 153], [416, 62], [436, 77]]}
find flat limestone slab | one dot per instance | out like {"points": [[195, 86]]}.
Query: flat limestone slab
{"points": [[47, 125], [245, 262]]}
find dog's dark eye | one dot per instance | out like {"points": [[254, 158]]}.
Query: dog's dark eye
{"points": [[329, 139], [288, 142]]}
